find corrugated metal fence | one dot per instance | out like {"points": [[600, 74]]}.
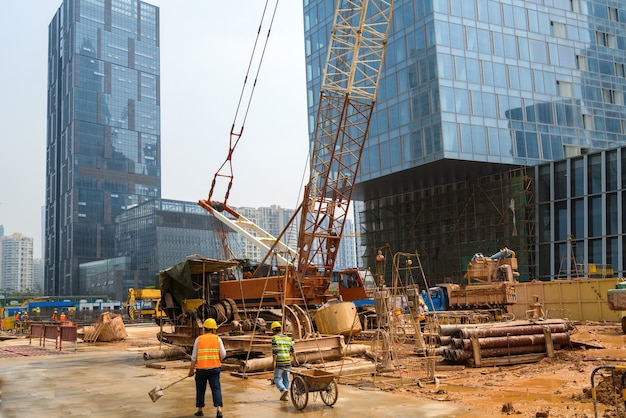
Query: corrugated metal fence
{"points": [[575, 299]]}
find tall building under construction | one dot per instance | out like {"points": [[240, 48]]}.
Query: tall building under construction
{"points": [[485, 109]]}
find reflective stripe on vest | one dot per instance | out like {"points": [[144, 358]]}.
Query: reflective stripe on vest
{"points": [[282, 345], [208, 352]]}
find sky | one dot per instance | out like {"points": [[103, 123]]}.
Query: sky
{"points": [[206, 47]]}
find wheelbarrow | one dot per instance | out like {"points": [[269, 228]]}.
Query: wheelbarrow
{"points": [[316, 381]]}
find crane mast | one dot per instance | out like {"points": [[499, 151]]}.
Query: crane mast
{"points": [[347, 97]]}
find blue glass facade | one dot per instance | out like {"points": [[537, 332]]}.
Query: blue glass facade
{"points": [[489, 80], [161, 233], [471, 88], [103, 143]]}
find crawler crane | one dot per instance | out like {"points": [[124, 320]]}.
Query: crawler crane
{"points": [[347, 97]]}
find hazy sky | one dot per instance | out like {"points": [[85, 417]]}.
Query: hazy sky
{"points": [[206, 46]]}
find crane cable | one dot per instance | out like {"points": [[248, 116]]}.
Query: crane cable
{"points": [[236, 136]]}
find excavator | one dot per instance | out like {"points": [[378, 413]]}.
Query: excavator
{"points": [[287, 278]]}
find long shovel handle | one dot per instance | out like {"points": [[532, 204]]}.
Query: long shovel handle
{"points": [[173, 383]]}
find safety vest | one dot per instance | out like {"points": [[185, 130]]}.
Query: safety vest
{"points": [[208, 352], [62, 317], [282, 346]]}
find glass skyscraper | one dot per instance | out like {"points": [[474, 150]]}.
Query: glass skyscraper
{"points": [[474, 92], [103, 141]]}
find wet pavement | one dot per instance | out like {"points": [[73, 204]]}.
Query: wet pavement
{"points": [[102, 381]]}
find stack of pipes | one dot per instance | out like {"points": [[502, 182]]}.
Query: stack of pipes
{"points": [[497, 340]]}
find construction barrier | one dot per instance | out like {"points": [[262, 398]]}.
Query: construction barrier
{"points": [[51, 331], [574, 299]]}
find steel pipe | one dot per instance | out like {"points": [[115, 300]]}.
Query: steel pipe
{"points": [[510, 341], [512, 330]]}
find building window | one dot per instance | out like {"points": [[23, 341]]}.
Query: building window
{"points": [[564, 88], [612, 96], [581, 62], [558, 29], [595, 217], [613, 15], [588, 122], [606, 39], [575, 5], [620, 70]]}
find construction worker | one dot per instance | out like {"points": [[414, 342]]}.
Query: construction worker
{"points": [[282, 355], [17, 321], [206, 360], [62, 317], [55, 316]]}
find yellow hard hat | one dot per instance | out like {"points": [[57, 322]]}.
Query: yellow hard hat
{"points": [[275, 325], [210, 324]]}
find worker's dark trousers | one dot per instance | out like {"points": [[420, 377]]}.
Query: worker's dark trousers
{"points": [[213, 377]]}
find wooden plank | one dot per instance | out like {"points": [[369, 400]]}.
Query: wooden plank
{"points": [[476, 350], [506, 360], [92, 334], [174, 364], [549, 342]]}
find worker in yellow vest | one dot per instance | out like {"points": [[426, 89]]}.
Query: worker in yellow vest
{"points": [[206, 361]]}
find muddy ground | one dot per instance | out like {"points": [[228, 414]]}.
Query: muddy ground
{"points": [[558, 387]]}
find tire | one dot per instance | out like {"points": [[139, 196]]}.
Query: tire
{"points": [[330, 394], [299, 392]]}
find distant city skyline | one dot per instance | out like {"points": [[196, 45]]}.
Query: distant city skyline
{"points": [[198, 66]]}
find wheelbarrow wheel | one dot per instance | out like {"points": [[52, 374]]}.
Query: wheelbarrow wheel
{"points": [[329, 395], [299, 392]]}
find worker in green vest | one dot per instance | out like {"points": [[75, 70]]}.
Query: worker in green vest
{"points": [[282, 356]]}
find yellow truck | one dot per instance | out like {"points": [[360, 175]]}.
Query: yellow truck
{"points": [[144, 303]]}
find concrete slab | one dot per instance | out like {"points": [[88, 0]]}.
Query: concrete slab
{"points": [[100, 381]]}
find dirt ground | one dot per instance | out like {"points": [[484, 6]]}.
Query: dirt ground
{"points": [[558, 387]]}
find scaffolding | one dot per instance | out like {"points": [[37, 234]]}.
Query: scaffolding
{"points": [[449, 223]]}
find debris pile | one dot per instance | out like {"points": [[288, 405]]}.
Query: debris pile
{"points": [[109, 327]]}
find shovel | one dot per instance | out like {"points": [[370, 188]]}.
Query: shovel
{"points": [[157, 391]]}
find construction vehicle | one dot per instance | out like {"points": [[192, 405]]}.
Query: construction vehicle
{"points": [[490, 288], [354, 285], [144, 303], [617, 301], [288, 279], [348, 93]]}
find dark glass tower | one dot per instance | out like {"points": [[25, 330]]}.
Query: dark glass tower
{"points": [[103, 141]]}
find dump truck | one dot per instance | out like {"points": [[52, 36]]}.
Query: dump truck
{"points": [[617, 301], [491, 286]]}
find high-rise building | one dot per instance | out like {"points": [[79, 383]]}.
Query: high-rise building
{"points": [[474, 94], [346, 255], [16, 263], [161, 233], [103, 142]]}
